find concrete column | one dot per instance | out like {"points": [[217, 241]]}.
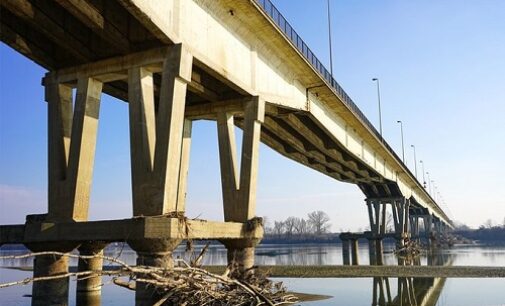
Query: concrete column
{"points": [[372, 251], [89, 289], [72, 141], [241, 254], [50, 292], [354, 252], [159, 137], [345, 252], [379, 252], [152, 253], [55, 291]]}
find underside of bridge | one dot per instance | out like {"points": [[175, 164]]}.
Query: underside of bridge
{"points": [[74, 34], [112, 47], [79, 32]]}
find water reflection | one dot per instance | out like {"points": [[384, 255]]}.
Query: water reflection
{"points": [[348, 291], [410, 290]]}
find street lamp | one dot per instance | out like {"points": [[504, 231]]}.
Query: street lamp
{"points": [[424, 178], [429, 182], [434, 189], [415, 160], [329, 40], [379, 100], [403, 147]]}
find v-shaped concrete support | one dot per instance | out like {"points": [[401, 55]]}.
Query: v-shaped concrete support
{"points": [[239, 187], [160, 140]]}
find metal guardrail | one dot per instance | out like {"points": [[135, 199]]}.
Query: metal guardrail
{"points": [[297, 41]]}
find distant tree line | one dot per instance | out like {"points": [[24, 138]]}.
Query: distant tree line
{"points": [[317, 224], [487, 232]]}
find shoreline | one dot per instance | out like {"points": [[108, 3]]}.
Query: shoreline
{"points": [[363, 271], [377, 271]]}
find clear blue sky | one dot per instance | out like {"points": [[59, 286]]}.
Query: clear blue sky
{"points": [[441, 66]]}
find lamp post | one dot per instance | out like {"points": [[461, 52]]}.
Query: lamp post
{"points": [[415, 160], [329, 40], [403, 147], [429, 182], [434, 189], [424, 178], [379, 100]]}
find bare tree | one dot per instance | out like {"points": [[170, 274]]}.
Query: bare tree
{"points": [[319, 222], [301, 226], [289, 226], [278, 229]]}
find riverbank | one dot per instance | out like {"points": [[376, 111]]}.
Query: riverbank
{"points": [[327, 271], [377, 271]]}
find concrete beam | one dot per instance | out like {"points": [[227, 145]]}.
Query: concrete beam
{"points": [[127, 229]]}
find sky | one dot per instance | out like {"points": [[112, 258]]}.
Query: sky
{"points": [[441, 66]]}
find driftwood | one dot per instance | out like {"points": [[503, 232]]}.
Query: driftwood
{"points": [[184, 284]]}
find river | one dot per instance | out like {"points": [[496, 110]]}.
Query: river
{"points": [[344, 291]]}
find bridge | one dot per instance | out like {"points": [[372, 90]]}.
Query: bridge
{"points": [[239, 63]]}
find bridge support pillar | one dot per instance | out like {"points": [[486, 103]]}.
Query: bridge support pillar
{"points": [[414, 227], [240, 254], [160, 147], [354, 252], [152, 253], [160, 140], [345, 252], [71, 146], [89, 289], [372, 251], [239, 186], [381, 294], [54, 291], [51, 292], [428, 233]]}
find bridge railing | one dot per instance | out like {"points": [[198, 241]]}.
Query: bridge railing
{"points": [[297, 41]]}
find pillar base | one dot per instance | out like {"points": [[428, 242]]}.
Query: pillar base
{"points": [[241, 255], [89, 289], [55, 291], [152, 253], [354, 252]]}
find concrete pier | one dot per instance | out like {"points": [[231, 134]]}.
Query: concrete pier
{"points": [[354, 252], [241, 255], [89, 288], [50, 292], [345, 251], [152, 253]]}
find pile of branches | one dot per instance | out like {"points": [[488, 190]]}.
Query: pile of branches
{"points": [[410, 248], [185, 284]]}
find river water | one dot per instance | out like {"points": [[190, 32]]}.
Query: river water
{"points": [[344, 291]]}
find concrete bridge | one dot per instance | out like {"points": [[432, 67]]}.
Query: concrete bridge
{"points": [[239, 63]]}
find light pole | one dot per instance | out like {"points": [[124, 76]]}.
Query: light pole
{"points": [[403, 147], [434, 189], [329, 40], [429, 182], [379, 100], [424, 178], [415, 160]]}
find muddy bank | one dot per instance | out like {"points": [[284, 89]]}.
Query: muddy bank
{"points": [[378, 271]]}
